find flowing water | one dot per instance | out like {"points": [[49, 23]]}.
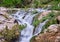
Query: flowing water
{"points": [[26, 17]]}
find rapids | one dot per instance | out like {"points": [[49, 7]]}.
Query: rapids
{"points": [[26, 18]]}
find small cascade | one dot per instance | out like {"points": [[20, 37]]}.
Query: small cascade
{"points": [[23, 18], [39, 28]]}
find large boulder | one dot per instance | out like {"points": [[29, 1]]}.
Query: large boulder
{"points": [[52, 28], [52, 34], [9, 28]]}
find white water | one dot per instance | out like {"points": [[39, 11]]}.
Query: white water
{"points": [[27, 33], [39, 28]]}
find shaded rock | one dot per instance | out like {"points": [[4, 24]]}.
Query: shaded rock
{"points": [[58, 19]]}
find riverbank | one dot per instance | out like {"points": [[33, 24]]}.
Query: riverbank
{"points": [[30, 22], [50, 32]]}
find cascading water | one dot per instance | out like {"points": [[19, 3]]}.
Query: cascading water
{"points": [[39, 28], [27, 33]]}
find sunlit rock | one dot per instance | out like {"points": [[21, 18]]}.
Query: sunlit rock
{"points": [[52, 34], [53, 28], [43, 14], [3, 10], [9, 29]]}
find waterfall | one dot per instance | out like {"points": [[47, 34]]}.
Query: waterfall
{"points": [[39, 28], [27, 32]]}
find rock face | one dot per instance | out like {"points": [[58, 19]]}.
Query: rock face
{"points": [[52, 34], [9, 29]]}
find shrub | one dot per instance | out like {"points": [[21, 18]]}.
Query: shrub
{"points": [[10, 34]]}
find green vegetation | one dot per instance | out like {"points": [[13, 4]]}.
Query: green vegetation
{"points": [[36, 21], [11, 3], [8, 35], [21, 27], [55, 4], [52, 20], [34, 12], [40, 3], [14, 3]]}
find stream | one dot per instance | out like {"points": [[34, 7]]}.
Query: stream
{"points": [[26, 18]]}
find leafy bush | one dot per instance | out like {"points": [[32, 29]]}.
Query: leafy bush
{"points": [[8, 35]]}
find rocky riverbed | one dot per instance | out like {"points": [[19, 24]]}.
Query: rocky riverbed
{"points": [[37, 28], [51, 32]]}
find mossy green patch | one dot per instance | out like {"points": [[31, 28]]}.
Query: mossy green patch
{"points": [[21, 27]]}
